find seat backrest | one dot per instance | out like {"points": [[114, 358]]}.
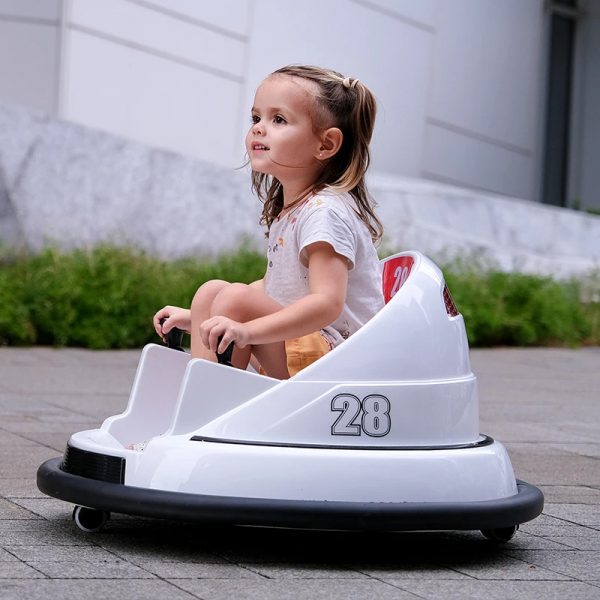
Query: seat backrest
{"points": [[396, 270]]}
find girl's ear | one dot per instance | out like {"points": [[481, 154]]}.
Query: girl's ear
{"points": [[331, 142]]}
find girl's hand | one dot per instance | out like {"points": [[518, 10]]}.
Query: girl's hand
{"points": [[175, 317], [232, 331]]}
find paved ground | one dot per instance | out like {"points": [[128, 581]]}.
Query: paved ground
{"points": [[543, 404]]}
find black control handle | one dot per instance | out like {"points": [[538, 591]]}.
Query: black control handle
{"points": [[224, 358], [174, 338]]}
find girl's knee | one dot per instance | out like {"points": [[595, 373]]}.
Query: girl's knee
{"points": [[231, 300], [206, 293]]}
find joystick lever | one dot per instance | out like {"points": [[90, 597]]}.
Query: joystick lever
{"points": [[224, 358], [174, 337]]}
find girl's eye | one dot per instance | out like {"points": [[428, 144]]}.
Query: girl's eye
{"points": [[255, 118], [279, 120]]}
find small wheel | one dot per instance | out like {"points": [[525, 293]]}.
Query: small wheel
{"points": [[90, 519], [504, 534]]}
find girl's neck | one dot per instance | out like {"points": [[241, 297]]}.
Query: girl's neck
{"points": [[295, 196], [289, 206]]}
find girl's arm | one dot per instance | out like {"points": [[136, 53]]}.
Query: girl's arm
{"points": [[328, 279]]}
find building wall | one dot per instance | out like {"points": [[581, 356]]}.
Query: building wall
{"points": [[166, 73], [30, 52], [481, 126], [460, 83]]}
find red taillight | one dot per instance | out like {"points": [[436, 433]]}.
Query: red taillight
{"points": [[450, 306]]}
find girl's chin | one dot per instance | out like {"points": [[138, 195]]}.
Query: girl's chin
{"points": [[259, 166]]}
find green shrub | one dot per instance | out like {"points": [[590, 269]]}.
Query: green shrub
{"points": [[518, 310], [105, 298]]}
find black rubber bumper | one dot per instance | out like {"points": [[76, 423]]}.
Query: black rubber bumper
{"points": [[361, 516]]}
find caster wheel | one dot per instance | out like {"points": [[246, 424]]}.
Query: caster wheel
{"points": [[503, 534], [90, 519]]}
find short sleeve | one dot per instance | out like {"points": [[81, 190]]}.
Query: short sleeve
{"points": [[323, 221]]}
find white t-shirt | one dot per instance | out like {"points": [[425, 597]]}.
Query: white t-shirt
{"points": [[325, 217]]}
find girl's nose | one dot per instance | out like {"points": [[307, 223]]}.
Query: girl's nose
{"points": [[257, 128]]}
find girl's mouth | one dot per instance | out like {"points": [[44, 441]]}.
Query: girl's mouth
{"points": [[257, 146]]}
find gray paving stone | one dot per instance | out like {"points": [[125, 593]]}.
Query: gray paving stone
{"points": [[502, 567], [54, 553], [90, 569], [13, 440], [48, 508], [582, 565], [30, 428], [570, 494], [47, 537], [18, 570], [98, 589], [19, 487], [23, 464], [583, 514], [590, 542], [583, 449], [560, 469], [11, 510], [199, 570], [294, 589], [560, 528], [299, 571], [149, 552], [417, 569], [35, 523], [500, 590], [551, 442], [528, 541]]}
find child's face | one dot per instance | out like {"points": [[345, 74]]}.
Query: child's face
{"points": [[281, 141]]}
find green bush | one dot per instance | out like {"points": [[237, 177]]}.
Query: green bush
{"points": [[514, 309], [105, 298]]}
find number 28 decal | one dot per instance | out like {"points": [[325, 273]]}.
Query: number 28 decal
{"points": [[373, 411]]}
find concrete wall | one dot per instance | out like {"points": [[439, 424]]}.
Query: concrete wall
{"points": [[71, 186]]}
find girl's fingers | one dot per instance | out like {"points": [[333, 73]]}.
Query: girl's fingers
{"points": [[213, 329], [213, 338], [225, 341]]}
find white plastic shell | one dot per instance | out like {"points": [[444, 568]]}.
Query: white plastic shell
{"points": [[390, 415]]}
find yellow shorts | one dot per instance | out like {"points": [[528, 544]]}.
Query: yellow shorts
{"points": [[305, 350]]}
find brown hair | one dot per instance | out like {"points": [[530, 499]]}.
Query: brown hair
{"points": [[345, 103]]}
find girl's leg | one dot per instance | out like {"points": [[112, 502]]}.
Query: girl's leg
{"points": [[243, 303], [200, 310]]}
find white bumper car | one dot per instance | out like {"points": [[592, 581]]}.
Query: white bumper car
{"points": [[380, 434]]}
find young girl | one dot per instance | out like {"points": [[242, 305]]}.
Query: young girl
{"points": [[308, 146]]}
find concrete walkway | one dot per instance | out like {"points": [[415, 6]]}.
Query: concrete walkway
{"points": [[544, 404]]}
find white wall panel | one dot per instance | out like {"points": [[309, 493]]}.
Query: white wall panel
{"points": [[391, 57], [32, 9], [147, 98], [231, 15], [28, 64], [486, 75], [158, 31], [421, 12], [454, 158]]}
